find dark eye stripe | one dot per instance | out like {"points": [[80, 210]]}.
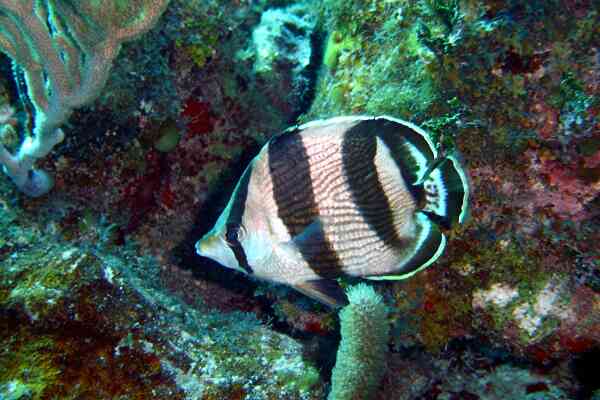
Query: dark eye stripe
{"points": [[234, 244], [235, 219]]}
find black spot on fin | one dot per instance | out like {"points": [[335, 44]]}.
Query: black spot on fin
{"points": [[430, 245], [445, 191], [327, 291]]}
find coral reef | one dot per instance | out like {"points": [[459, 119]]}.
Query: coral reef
{"points": [[99, 281], [77, 322], [360, 362], [513, 88], [423, 378], [283, 54]]}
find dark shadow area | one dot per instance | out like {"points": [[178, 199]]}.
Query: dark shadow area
{"points": [[320, 349], [6, 73], [311, 74], [185, 256], [585, 369]]}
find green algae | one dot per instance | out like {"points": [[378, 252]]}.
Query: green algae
{"points": [[81, 322], [40, 282], [226, 152], [367, 73], [414, 56], [28, 360], [589, 147], [169, 137], [203, 33], [337, 44]]}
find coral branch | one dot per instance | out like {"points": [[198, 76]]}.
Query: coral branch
{"points": [[66, 49], [360, 362]]}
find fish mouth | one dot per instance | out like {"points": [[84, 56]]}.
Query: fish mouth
{"points": [[198, 247]]}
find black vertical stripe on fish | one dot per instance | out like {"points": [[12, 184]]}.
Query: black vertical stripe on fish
{"points": [[234, 220], [359, 148], [429, 246], [402, 140], [398, 138], [416, 158], [234, 244], [438, 219], [289, 167], [428, 249], [240, 195]]}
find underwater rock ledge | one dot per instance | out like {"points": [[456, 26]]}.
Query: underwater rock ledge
{"points": [[75, 323]]}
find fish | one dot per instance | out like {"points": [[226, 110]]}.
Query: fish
{"points": [[356, 196]]}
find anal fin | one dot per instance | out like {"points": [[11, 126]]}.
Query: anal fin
{"points": [[327, 291], [429, 246]]}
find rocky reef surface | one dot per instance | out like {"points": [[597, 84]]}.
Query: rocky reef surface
{"points": [[79, 322], [102, 296]]}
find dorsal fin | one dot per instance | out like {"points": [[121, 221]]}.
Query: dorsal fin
{"points": [[446, 193], [438, 183]]}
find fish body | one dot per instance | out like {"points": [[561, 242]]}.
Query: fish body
{"points": [[349, 196]]}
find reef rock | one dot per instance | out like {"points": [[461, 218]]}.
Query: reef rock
{"points": [[283, 54], [79, 323]]}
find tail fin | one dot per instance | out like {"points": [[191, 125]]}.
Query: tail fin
{"points": [[438, 182]]}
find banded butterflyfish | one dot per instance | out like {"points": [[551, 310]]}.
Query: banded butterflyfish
{"points": [[353, 196]]}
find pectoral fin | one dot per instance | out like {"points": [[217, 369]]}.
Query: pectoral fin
{"points": [[311, 238], [314, 248], [327, 291]]}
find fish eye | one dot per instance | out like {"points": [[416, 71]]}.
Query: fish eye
{"points": [[235, 233]]}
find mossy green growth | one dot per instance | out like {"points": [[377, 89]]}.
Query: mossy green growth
{"points": [[360, 362], [570, 94], [307, 380], [373, 64], [20, 352], [212, 173], [202, 39], [224, 151], [336, 44], [444, 315], [589, 147], [199, 54], [42, 280], [169, 137]]}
